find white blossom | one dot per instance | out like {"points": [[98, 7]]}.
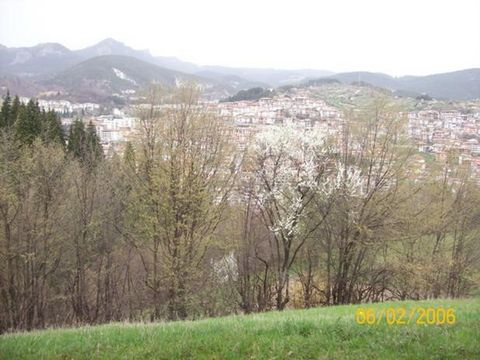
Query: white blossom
{"points": [[290, 162], [349, 179], [226, 268]]}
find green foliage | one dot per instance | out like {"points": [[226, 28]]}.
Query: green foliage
{"points": [[250, 94], [14, 112], [84, 144], [52, 128], [129, 155], [5, 111], [28, 125], [76, 138], [28, 122]]}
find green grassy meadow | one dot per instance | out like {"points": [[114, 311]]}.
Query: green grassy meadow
{"points": [[321, 333]]}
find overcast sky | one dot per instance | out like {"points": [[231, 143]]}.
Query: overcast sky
{"points": [[393, 36]]}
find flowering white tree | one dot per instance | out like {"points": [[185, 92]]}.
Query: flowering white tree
{"points": [[292, 167]]}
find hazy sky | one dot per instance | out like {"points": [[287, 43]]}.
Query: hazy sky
{"points": [[393, 36]]}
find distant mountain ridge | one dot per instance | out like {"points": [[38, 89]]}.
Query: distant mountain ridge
{"points": [[28, 69], [36, 60], [456, 85], [103, 76], [23, 60], [45, 59]]}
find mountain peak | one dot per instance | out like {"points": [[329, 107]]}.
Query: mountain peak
{"points": [[110, 46], [110, 41], [52, 46]]}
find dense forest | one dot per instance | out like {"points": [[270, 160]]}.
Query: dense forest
{"points": [[255, 93], [183, 225]]}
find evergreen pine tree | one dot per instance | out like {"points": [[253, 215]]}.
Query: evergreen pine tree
{"points": [[84, 144], [14, 112], [29, 123], [94, 146], [5, 111], [52, 131], [76, 139], [129, 155]]}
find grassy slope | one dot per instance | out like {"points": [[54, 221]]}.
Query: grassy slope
{"points": [[323, 333]]}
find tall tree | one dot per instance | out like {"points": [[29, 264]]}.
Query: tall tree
{"points": [[29, 123], [52, 131], [186, 178], [32, 199], [16, 104], [84, 144], [290, 168], [5, 113], [374, 143]]}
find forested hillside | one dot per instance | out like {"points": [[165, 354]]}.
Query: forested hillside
{"points": [[183, 224]]}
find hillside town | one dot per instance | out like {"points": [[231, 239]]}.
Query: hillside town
{"points": [[436, 132]]}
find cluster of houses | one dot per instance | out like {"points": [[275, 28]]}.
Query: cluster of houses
{"points": [[113, 130], [448, 133], [64, 107], [250, 117], [435, 132]]}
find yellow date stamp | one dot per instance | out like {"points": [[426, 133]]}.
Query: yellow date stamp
{"points": [[404, 316]]}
